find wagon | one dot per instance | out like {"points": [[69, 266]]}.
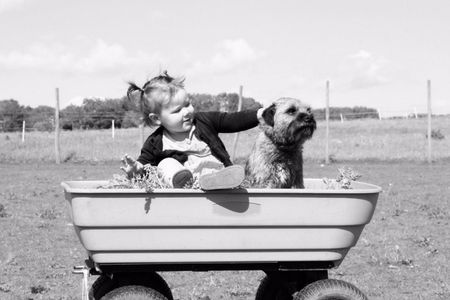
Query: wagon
{"points": [[294, 235]]}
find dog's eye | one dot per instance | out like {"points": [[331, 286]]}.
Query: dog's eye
{"points": [[291, 111]]}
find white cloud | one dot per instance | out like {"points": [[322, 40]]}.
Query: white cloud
{"points": [[97, 58], [231, 54], [6, 5], [365, 70], [157, 15], [77, 101]]}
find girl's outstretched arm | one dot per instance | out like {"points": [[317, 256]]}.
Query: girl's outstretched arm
{"points": [[233, 122]]}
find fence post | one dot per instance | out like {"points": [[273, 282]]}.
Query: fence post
{"points": [[23, 131], [327, 121], [112, 128], [342, 118], [57, 147], [236, 136], [429, 119]]}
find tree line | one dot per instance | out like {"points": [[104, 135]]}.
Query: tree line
{"points": [[356, 112], [97, 113]]}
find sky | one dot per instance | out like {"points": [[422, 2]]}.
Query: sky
{"points": [[377, 54]]}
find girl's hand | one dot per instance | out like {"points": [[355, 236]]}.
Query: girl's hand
{"points": [[131, 166]]}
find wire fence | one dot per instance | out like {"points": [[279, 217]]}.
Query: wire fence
{"points": [[360, 139], [110, 121]]}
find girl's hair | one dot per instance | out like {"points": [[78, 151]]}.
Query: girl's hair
{"points": [[155, 92]]}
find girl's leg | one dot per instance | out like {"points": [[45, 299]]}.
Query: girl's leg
{"points": [[173, 173]]}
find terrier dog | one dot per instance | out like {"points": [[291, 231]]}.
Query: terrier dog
{"points": [[276, 160]]}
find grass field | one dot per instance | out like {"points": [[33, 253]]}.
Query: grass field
{"points": [[370, 139], [402, 254]]}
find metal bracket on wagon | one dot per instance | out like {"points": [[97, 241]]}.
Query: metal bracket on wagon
{"points": [[85, 271]]}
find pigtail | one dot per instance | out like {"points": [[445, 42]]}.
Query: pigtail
{"points": [[133, 88], [143, 107]]}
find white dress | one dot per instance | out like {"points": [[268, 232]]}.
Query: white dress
{"points": [[200, 159]]}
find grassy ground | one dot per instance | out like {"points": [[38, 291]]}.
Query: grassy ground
{"points": [[402, 254], [403, 139]]}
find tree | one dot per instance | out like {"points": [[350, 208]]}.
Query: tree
{"points": [[11, 115], [357, 112], [40, 118], [222, 102], [97, 113], [204, 102], [132, 119], [72, 117]]}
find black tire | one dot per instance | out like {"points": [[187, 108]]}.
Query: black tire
{"points": [[283, 285], [158, 283], [133, 292], [330, 289], [100, 287], [152, 280], [274, 288]]}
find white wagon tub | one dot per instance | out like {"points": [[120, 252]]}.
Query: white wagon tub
{"points": [[294, 235]]}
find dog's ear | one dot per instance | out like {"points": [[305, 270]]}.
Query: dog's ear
{"points": [[268, 115]]}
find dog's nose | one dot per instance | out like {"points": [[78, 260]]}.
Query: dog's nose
{"points": [[304, 117]]}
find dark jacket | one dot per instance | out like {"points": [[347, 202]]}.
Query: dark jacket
{"points": [[208, 125]]}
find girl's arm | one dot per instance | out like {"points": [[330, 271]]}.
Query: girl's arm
{"points": [[233, 122], [131, 166]]}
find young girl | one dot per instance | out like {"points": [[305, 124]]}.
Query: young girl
{"points": [[186, 142]]}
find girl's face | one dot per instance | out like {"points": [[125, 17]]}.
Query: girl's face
{"points": [[176, 115]]}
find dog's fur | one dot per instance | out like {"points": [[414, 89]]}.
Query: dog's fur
{"points": [[276, 159]]}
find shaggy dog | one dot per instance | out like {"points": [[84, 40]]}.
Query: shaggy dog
{"points": [[276, 159]]}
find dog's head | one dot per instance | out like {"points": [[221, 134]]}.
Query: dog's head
{"points": [[288, 122]]}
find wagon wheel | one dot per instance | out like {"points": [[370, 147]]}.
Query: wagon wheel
{"points": [[274, 288], [153, 280], [330, 289], [100, 287], [134, 292]]}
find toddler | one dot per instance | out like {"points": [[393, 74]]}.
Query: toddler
{"points": [[186, 143]]}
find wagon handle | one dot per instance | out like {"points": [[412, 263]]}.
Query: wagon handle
{"points": [[84, 281]]}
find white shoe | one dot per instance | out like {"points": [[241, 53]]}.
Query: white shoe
{"points": [[227, 178]]}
